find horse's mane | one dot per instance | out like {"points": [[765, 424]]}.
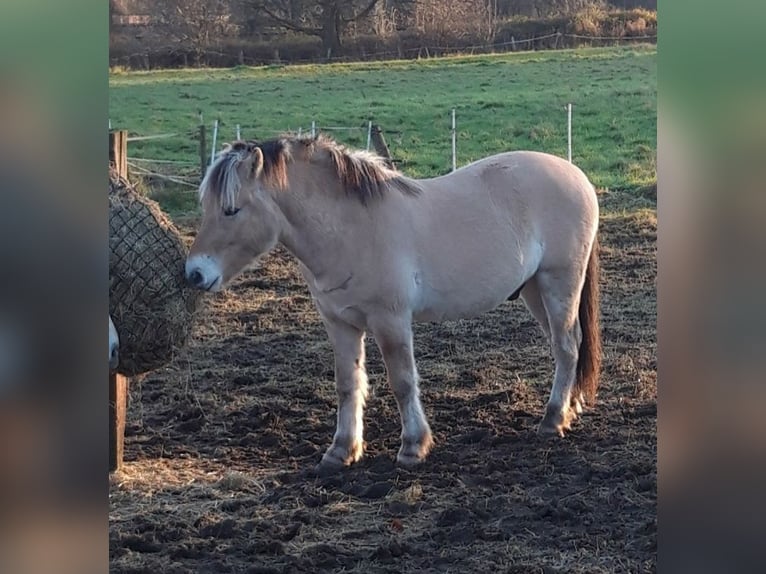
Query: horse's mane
{"points": [[362, 174]]}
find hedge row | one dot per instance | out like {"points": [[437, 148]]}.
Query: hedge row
{"points": [[516, 34]]}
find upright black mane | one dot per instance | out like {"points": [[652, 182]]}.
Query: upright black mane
{"points": [[362, 174]]}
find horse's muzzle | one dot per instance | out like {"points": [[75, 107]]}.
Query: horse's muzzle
{"points": [[114, 357], [196, 279], [202, 272]]}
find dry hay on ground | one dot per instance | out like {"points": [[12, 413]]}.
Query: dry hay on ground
{"points": [[221, 443]]}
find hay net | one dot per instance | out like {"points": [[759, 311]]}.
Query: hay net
{"points": [[149, 301]]}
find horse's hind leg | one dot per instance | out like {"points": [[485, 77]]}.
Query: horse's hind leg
{"points": [[351, 385], [533, 300], [394, 338], [530, 294], [560, 293]]}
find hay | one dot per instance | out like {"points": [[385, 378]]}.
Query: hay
{"points": [[150, 304]]}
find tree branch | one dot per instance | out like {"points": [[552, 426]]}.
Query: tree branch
{"points": [[289, 24], [364, 12]]}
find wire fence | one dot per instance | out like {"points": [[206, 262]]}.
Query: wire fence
{"points": [[188, 173], [144, 172], [433, 50]]}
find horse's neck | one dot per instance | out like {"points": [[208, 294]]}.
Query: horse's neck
{"points": [[315, 214]]}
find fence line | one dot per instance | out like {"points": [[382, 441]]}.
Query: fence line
{"points": [[154, 137], [139, 164], [453, 136], [135, 162], [142, 171], [454, 141], [168, 161], [569, 132], [341, 128], [514, 42], [654, 37], [414, 50]]}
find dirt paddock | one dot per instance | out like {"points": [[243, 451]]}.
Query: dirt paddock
{"points": [[221, 444]]}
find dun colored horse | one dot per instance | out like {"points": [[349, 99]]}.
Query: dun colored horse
{"points": [[379, 250]]}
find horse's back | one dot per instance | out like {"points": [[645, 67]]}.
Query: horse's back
{"points": [[557, 198], [486, 228], [540, 195], [524, 189], [528, 172]]}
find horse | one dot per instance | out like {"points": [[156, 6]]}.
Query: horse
{"points": [[380, 251], [114, 346]]}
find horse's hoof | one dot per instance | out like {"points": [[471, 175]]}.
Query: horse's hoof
{"points": [[547, 430], [338, 457], [413, 453], [578, 405], [556, 423]]}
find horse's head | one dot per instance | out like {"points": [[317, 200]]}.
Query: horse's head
{"points": [[240, 219]]}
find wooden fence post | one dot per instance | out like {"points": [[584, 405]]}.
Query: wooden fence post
{"points": [[118, 158], [202, 151], [379, 143], [118, 403], [118, 152]]}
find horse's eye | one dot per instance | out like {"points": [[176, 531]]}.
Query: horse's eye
{"points": [[231, 211]]}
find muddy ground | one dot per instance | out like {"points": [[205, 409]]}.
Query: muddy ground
{"points": [[221, 444]]}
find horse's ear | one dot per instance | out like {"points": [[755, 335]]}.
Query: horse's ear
{"points": [[254, 162], [257, 161]]}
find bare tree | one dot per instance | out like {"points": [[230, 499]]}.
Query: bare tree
{"points": [[391, 16], [384, 19], [196, 24], [565, 7], [445, 20], [546, 8], [488, 16], [326, 19]]}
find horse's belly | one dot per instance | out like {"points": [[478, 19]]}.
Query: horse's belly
{"points": [[477, 281], [437, 308]]}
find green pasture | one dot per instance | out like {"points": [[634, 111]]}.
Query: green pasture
{"points": [[503, 102]]}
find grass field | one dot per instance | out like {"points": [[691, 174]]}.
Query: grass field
{"points": [[504, 102]]}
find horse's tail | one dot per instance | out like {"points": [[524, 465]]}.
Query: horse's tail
{"points": [[589, 357]]}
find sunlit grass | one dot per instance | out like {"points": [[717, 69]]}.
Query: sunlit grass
{"points": [[503, 102]]}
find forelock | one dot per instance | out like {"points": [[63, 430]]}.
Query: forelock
{"points": [[222, 179]]}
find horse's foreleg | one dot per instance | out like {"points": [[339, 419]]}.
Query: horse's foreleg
{"points": [[560, 295], [396, 346], [351, 385]]}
